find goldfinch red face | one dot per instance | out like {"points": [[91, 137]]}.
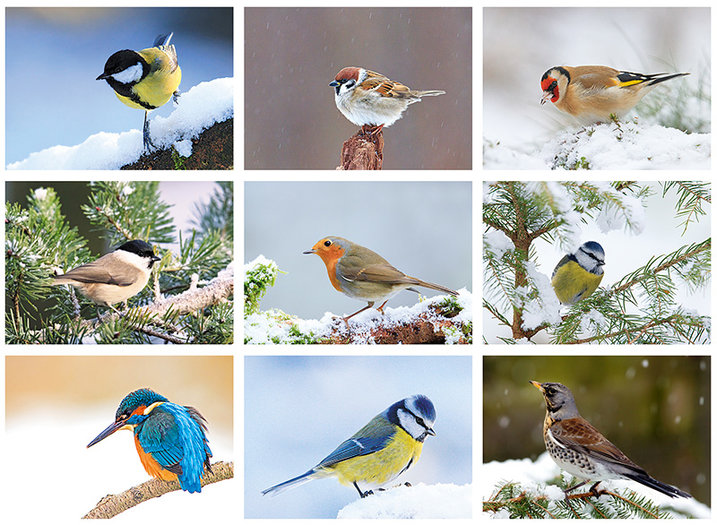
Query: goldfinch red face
{"points": [[549, 85]]}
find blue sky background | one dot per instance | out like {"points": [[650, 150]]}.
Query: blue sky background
{"points": [[54, 55], [298, 409]]}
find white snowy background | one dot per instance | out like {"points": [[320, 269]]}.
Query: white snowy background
{"points": [[656, 232], [519, 133], [299, 409], [56, 405]]}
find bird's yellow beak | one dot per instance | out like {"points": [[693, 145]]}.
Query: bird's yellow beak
{"points": [[536, 385]]}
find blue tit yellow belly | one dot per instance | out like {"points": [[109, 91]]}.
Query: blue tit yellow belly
{"points": [[159, 85], [382, 466], [572, 282]]}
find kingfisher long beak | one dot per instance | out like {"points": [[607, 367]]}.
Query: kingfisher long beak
{"points": [[114, 427]]}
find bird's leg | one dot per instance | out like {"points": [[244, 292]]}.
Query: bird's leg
{"points": [[146, 139], [593, 491], [175, 97], [570, 489], [361, 493], [380, 308], [346, 319]]}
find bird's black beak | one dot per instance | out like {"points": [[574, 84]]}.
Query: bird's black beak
{"points": [[114, 427], [333, 83], [103, 76], [307, 252]]}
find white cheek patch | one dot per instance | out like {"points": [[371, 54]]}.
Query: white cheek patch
{"points": [[409, 423], [129, 75]]}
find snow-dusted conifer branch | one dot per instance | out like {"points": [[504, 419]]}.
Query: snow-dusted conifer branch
{"points": [[515, 501], [516, 214]]}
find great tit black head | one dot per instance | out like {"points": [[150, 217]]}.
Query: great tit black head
{"points": [[114, 277]]}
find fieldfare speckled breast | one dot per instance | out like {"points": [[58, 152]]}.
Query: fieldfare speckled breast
{"points": [[578, 448]]}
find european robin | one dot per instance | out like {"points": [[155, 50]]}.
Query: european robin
{"points": [[361, 273]]}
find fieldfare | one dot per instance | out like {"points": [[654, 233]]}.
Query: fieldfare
{"points": [[578, 448]]}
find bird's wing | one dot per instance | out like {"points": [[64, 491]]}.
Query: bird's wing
{"points": [[369, 439], [385, 86], [578, 433], [562, 261], [96, 272], [595, 77], [159, 437], [383, 273]]}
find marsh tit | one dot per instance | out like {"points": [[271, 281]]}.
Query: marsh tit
{"points": [[114, 277], [145, 79], [578, 275], [379, 452]]}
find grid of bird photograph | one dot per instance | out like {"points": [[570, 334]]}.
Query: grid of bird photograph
{"points": [[392, 159]]}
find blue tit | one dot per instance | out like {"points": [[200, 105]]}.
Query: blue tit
{"points": [[379, 452], [145, 79], [579, 274]]}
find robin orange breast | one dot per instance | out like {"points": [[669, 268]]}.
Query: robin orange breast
{"points": [[361, 273]]}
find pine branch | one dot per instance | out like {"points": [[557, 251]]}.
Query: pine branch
{"points": [[114, 504]]}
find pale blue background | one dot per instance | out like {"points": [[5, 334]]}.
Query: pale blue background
{"points": [[421, 228], [54, 55], [298, 409]]}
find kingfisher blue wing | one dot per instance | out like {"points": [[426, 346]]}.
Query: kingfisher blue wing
{"points": [[160, 437], [187, 436]]}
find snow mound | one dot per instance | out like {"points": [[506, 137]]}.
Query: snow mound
{"points": [[615, 146], [197, 109], [443, 500]]}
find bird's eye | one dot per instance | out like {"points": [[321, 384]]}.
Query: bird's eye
{"points": [[327, 243], [553, 85]]}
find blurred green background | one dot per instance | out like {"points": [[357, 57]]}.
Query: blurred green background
{"points": [[655, 409]]}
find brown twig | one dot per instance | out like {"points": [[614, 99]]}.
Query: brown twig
{"points": [[114, 504]]}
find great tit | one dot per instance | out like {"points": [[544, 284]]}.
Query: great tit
{"points": [[114, 277], [578, 275], [145, 79], [379, 452]]}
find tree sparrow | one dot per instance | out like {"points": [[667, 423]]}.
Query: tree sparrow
{"points": [[593, 93], [367, 98]]}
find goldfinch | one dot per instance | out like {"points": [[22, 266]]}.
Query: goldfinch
{"points": [[145, 79], [593, 93]]}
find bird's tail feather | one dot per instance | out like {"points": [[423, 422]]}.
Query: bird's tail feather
{"points": [[662, 79], [431, 93], [659, 486], [162, 40], [434, 287], [293, 482]]}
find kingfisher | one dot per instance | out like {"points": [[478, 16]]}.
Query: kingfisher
{"points": [[170, 438]]}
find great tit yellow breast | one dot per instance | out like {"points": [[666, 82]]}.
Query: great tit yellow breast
{"points": [[163, 79], [572, 282], [382, 466]]}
